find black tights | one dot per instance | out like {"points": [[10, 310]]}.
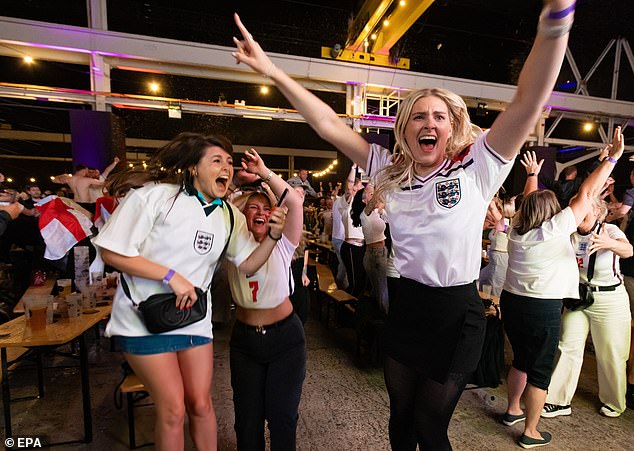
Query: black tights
{"points": [[420, 408]]}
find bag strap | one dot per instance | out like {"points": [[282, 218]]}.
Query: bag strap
{"points": [[126, 288], [592, 260]]}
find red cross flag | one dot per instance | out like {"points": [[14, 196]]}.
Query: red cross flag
{"points": [[61, 226]]}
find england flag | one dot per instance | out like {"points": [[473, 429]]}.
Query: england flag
{"points": [[61, 226]]}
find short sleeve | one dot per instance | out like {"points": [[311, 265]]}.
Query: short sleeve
{"points": [[241, 242], [615, 233], [564, 222], [378, 158], [128, 227], [490, 168]]}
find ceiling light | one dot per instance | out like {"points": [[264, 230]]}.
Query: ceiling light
{"points": [[264, 90], [27, 59], [9, 180], [154, 87], [373, 37], [402, 3], [588, 126], [32, 180], [386, 23]]}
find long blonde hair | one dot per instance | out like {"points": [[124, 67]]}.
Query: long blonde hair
{"points": [[463, 133]]}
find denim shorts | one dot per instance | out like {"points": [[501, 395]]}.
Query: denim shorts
{"points": [[157, 344]]}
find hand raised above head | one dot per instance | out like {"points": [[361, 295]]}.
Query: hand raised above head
{"points": [[248, 51], [529, 161]]}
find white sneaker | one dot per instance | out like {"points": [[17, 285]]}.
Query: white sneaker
{"points": [[553, 410], [609, 412]]}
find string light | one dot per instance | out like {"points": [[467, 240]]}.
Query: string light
{"points": [[327, 170]]}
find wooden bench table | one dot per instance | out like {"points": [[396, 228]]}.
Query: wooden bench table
{"points": [[17, 333]]}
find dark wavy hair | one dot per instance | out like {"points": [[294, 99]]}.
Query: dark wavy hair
{"points": [[357, 208], [170, 164]]}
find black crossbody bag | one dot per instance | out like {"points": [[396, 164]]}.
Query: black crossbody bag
{"points": [[586, 298], [159, 311]]}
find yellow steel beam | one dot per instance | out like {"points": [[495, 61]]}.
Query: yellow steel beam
{"points": [[402, 18], [366, 58], [366, 20]]}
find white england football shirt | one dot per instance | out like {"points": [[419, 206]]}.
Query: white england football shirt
{"points": [[606, 266], [436, 223], [270, 285], [174, 231]]}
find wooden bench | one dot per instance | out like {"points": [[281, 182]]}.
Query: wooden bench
{"points": [[131, 386], [334, 297], [14, 355]]}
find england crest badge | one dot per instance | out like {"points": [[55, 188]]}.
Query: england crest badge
{"points": [[448, 193], [203, 242]]}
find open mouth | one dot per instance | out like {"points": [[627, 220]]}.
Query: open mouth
{"points": [[427, 140], [223, 181], [259, 221]]}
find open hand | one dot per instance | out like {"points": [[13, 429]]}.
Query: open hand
{"points": [[529, 161]]}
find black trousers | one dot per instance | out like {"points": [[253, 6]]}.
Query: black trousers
{"points": [[352, 257]]}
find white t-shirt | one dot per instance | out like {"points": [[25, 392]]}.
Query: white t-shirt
{"points": [[542, 261], [373, 227], [350, 231], [175, 232], [337, 223], [606, 266], [436, 224], [270, 285]]}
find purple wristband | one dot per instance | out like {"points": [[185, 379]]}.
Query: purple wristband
{"points": [[556, 15], [612, 160], [168, 276]]}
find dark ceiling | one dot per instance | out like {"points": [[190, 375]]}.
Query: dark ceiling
{"points": [[481, 39]]}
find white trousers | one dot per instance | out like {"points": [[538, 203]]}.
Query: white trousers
{"points": [[608, 320]]}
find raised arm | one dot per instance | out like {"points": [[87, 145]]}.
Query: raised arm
{"points": [[529, 161], [319, 116], [106, 172], [536, 81], [593, 184], [252, 163]]}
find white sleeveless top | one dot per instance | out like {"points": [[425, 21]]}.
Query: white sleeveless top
{"points": [[373, 227]]}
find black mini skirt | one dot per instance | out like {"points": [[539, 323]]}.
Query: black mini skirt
{"points": [[436, 330]]}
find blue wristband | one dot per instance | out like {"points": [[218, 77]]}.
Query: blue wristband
{"points": [[168, 276], [557, 15]]}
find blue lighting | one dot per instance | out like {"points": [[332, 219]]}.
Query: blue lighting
{"points": [[570, 149], [568, 85]]}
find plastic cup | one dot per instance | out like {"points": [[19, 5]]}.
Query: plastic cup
{"points": [[96, 279], [88, 298], [35, 308], [74, 305], [486, 289], [65, 286]]}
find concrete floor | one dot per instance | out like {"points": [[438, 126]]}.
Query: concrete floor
{"points": [[344, 405]]}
